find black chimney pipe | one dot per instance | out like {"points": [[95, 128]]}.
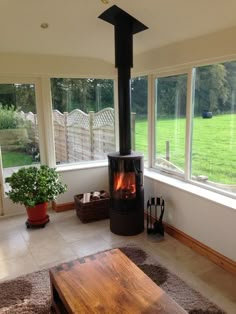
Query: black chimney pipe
{"points": [[125, 26]]}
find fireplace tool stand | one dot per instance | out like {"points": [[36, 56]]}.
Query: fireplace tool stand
{"points": [[155, 225]]}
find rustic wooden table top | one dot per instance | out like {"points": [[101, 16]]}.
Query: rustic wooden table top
{"points": [[108, 282]]}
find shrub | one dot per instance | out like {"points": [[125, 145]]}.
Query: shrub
{"points": [[10, 118], [32, 185]]}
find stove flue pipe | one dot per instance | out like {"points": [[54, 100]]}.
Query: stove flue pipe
{"points": [[125, 26]]}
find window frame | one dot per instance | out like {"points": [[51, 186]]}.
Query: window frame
{"points": [[86, 163], [149, 83], [174, 174], [39, 108], [191, 73]]}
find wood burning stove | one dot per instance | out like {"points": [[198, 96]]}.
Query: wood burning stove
{"points": [[126, 191], [125, 167]]}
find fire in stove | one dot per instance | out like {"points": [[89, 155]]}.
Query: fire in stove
{"points": [[124, 185]]}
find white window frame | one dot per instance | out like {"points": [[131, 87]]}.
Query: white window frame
{"points": [[39, 109], [186, 177], [89, 163], [154, 77]]}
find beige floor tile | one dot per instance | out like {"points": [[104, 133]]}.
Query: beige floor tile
{"points": [[13, 267], [12, 225], [38, 237], [115, 239], [89, 245], [51, 255], [197, 264], [225, 303], [223, 282], [12, 245], [171, 249], [61, 217], [82, 231]]}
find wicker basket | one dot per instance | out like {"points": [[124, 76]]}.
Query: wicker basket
{"points": [[93, 210]]}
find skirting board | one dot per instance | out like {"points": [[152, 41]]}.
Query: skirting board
{"points": [[62, 207], [216, 257]]}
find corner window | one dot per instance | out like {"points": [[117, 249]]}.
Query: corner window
{"points": [[170, 123], [139, 125], [214, 126], [19, 134], [83, 119]]}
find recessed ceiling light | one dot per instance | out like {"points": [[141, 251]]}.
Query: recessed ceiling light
{"points": [[105, 1], [44, 25]]}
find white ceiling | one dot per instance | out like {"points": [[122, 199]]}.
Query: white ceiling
{"points": [[75, 30]]}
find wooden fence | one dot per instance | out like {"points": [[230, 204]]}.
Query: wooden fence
{"points": [[80, 136]]}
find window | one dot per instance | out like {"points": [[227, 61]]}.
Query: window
{"points": [[83, 117], [170, 123], [139, 125], [19, 136], [214, 126]]}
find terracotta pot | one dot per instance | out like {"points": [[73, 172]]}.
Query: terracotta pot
{"points": [[37, 215]]}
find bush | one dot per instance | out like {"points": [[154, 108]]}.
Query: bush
{"points": [[10, 118], [32, 185]]}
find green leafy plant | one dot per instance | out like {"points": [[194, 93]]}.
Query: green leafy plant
{"points": [[10, 118], [32, 185]]}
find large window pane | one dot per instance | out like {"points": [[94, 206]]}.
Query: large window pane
{"points": [[83, 117], [214, 126], [18, 127], [139, 126], [170, 122]]}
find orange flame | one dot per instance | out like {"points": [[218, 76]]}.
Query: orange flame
{"points": [[125, 181]]}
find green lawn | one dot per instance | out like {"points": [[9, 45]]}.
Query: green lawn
{"points": [[213, 147], [14, 159]]}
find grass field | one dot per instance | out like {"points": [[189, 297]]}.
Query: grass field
{"points": [[213, 145], [14, 159]]}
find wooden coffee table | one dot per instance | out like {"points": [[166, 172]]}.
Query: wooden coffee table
{"points": [[107, 282]]}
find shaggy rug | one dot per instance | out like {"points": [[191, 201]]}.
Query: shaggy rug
{"points": [[30, 294]]}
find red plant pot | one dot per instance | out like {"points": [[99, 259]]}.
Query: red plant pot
{"points": [[37, 215]]}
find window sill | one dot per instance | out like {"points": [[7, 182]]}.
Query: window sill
{"points": [[191, 188], [82, 166]]}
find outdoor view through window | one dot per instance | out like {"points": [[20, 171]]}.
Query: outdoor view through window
{"points": [[170, 123], [83, 119], [212, 151], [214, 126], [139, 125], [19, 138]]}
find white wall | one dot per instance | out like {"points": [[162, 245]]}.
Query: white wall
{"points": [[54, 66], [201, 50], [202, 219], [83, 180], [78, 181]]}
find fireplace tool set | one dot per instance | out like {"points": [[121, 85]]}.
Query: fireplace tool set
{"points": [[155, 225]]}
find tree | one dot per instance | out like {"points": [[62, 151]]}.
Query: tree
{"points": [[211, 88], [231, 79], [69, 94], [139, 95]]}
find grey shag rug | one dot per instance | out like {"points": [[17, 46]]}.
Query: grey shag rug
{"points": [[30, 294]]}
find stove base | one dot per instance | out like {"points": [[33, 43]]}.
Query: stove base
{"points": [[127, 224]]}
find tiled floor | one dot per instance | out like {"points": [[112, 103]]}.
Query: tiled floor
{"points": [[65, 237]]}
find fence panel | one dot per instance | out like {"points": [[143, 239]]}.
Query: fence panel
{"points": [[78, 136], [60, 136], [78, 139], [103, 133]]}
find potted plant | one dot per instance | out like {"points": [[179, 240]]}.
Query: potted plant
{"points": [[34, 187]]}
